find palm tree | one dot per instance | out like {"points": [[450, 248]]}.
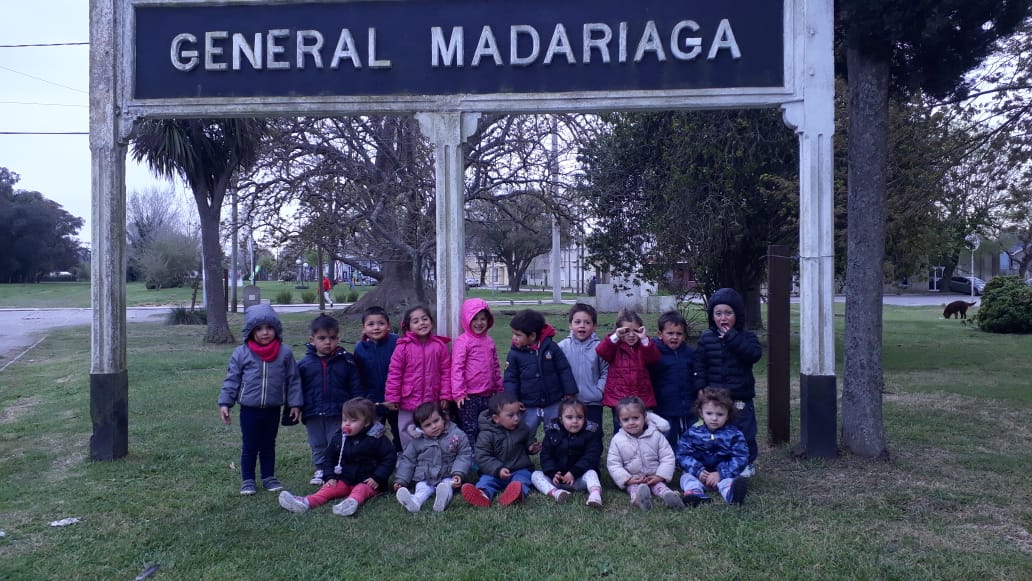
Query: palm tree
{"points": [[205, 153]]}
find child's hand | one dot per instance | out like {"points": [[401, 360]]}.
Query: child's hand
{"points": [[652, 479], [224, 414], [456, 481], [391, 405], [634, 480], [295, 414], [504, 473], [534, 448], [567, 479], [371, 483], [330, 482], [460, 401], [523, 407], [710, 479], [641, 333], [398, 486]]}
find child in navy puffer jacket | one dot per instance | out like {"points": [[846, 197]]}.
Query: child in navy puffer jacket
{"points": [[672, 378], [570, 455]]}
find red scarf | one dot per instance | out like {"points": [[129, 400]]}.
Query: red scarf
{"points": [[266, 353]]}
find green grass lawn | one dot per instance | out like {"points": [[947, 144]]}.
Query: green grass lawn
{"points": [[953, 502]]}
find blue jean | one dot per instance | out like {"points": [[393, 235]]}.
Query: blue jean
{"points": [[535, 416], [258, 428], [678, 426], [492, 485], [745, 420]]}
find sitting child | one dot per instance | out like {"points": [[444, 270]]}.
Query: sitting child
{"points": [[640, 459], [570, 455], [713, 452], [503, 454], [436, 458], [358, 462]]}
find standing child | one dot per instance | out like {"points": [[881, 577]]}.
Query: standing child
{"points": [[724, 360], [436, 459], [640, 459], [262, 377], [629, 352], [329, 377], [475, 372], [537, 373], [671, 376], [588, 369], [373, 355], [358, 462], [713, 452], [570, 455], [503, 453], [420, 369]]}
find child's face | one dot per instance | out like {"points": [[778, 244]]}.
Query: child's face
{"points": [[632, 420], [628, 332], [351, 426], [376, 327], [724, 317], [521, 339], [581, 325], [508, 417], [672, 335], [714, 415], [433, 426], [263, 334], [573, 419], [325, 342], [479, 323], [420, 323]]}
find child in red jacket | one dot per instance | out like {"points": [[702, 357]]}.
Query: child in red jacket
{"points": [[629, 352]]}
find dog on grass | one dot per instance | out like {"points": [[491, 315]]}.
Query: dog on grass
{"points": [[957, 309]]}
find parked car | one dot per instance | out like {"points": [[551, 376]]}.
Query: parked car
{"points": [[962, 284], [472, 282]]}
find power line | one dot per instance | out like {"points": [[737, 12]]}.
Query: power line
{"points": [[44, 132], [42, 104], [44, 44], [44, 80]]}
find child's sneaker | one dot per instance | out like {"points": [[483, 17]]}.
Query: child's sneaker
{"points": [[749, 471], [642, 497], [247, 488], [405, 498], [271, 484], [594, 500], [346, 507], [672, 500], [293, 503], [695, 498], [475, 496], [736, 494], [512, 494], [560, 495], [317, 479], [443, 496]]}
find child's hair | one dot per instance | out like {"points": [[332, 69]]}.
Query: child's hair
{"points": [[628, 316], [672, 318], [499, 401], [408, 313], [712, 395], [324, 323], [374, 311], [583, 308], [359, 408], [425, 411], [628, 402], [528, 321], [572, 403]]}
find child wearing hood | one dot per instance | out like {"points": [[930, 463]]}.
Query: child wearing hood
{"points": [[537, 373], [476, 374], [724, 360], [262, 377]]}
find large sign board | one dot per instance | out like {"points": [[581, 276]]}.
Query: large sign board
{"points": [[454, 54]]}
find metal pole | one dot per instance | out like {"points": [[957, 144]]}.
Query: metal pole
{"points": [[556, 267], [234, 268]]}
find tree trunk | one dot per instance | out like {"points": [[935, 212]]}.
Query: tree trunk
{"points": [[753, 316], [395, 292], [862, 430], [215, 296]]}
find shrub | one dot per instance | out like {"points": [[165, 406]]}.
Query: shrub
{"points": [[284, 297], [185, 316], [341, 296], [308, 297], [1006, 306], [352, 295]]}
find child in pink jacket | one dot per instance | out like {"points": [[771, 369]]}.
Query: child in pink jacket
{"points": [[475, 373], [420, 369]]}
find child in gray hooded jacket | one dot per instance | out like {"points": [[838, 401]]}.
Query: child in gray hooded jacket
{"points": [[435, 459], [262, 377]]}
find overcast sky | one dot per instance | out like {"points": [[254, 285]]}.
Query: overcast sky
{"points": [[46, 89]]}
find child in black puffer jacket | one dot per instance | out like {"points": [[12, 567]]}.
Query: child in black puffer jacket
{"points": [[570, 455]]}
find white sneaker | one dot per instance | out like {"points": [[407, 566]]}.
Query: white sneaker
{"points": [[405, 498], [749, 471], [317, 479], [594, 500], [293, 503], [443, 496], [346, 507], [560, 495]]}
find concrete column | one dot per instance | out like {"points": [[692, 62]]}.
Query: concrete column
{"points": [[813, 119], [109, 380], [448, 133]]}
